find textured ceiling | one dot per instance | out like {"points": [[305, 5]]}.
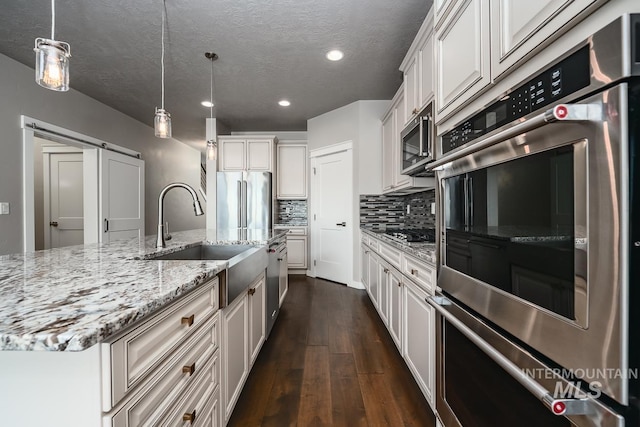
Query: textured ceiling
{"points": [[268, 49]]}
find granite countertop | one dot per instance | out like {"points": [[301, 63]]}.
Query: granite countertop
{"points": [[69, 299], [423, 251]]}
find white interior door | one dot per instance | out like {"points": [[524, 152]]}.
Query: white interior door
{"points": [[63, 187], [332, 183], [122, 196]]}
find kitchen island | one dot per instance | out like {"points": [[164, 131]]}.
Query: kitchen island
{"points": [[69, 321]]}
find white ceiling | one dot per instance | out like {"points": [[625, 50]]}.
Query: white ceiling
{"points": [[269, 50]]}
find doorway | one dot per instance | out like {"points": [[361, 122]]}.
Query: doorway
{"points": [[332, 208]]}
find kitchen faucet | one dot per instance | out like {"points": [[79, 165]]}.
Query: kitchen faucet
{"points": [[160, 243]]}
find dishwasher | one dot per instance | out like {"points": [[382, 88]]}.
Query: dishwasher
{"points": [[276, 274]]}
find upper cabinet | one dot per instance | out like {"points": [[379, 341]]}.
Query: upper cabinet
{"points": [[519, 27], [478, 42], [292, 171], [417, 68], [462, 55], [238, 153]]}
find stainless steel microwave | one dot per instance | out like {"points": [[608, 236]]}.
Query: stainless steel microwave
{"points": [[417, 144]]}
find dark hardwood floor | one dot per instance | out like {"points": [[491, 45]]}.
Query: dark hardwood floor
{"points": [[330, 361]]}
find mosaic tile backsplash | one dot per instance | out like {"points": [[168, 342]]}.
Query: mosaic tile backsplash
{"points": [[291, 212], [379, 212]]}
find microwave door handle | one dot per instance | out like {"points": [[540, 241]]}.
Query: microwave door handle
{"points": [[559, 113], [556, 406], [426, 151]]}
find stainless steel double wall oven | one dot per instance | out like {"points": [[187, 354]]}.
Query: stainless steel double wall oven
{"points": [[540, 246]]}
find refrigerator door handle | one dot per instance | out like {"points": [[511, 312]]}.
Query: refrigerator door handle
{"points": [[239, 210], [244, 201]]}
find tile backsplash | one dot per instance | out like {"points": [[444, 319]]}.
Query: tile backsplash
{"points": [[389, 212], [291, 212]]}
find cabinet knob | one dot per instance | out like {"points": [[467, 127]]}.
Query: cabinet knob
{"points": [[414, 272], [386, 270], [252, 291], [399, 284], [186, 369], [187, 320], [189, 417]]}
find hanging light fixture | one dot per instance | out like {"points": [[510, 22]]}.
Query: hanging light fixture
{"points": [[212, 144], [52, 59], [162, 121]]}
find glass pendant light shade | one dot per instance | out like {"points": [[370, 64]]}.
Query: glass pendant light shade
{"points": [[212, 150], [162, 123], [52, 64]]}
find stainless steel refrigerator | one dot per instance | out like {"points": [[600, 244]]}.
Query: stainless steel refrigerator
{"points": [[244, 200]]}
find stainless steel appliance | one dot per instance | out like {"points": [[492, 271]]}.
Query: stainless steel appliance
{"points": [[417, 144], [277, 251], [539, 251], [244, 200]]}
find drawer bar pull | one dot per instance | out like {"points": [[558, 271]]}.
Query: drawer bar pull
{"points": [[414, 272], [189, 417], [187, 320], [189, 369]]}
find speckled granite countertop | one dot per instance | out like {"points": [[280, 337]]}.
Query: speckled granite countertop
{"points": [[423, 251], [69, 299]]}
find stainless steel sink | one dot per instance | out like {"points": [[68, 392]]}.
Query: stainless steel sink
{"points": [[246, 262]]}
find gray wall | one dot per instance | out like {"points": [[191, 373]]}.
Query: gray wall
{"points": [[165, 160]]}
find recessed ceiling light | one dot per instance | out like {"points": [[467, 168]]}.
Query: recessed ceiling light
{"points": [[207, 104], [335, 55], [284, 103]]}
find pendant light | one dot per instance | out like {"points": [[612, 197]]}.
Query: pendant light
{"points": [[162, 121], [52, 59], [212, 144]]}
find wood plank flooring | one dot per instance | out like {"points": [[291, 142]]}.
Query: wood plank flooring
{"points": [[330, 362]]}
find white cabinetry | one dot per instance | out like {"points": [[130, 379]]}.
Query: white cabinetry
{"points": [[297, 243], [417, 68], [238, 153], [364, 266], [243, 333], [374, 278], [292, 171], [519, 27], [419, 340], [395, 283], [392, 179], [283, 282], [462, 55]]}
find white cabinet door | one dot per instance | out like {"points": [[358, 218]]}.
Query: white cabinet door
{"points": [[297, 248], [399, 120], [283, 283], [419, 338], [462, 56], [519, 27], [395, 307], [235, 352], [441, 7], [383, 291], [374, 279], [232, 155], [388, 158], [411, 94], [257, 319], [259, 155], [425, 62], [364, 266], [292, 171]]}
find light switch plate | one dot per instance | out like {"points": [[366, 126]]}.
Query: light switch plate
{"points": [[4, 208]]}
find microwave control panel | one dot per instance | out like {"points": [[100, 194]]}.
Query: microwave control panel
{"points": [[561, 79]]}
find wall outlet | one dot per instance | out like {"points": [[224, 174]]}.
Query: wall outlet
{"points": [[4, 208], [433, 208], [287, 210], [408, 209]]}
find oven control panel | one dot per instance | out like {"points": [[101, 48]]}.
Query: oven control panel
{"points": [[561, 79]]}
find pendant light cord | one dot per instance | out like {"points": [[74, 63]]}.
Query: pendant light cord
{"points": [[53, 19], [211, 98], [162, 57]]}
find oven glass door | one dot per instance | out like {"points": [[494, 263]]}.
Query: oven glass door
{"points": [[511, 226]]}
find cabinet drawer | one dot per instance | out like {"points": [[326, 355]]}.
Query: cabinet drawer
{"points": [[419, 272], [373, 243], [211, 415], [196, 400], [155, 398], [299, 231], [390, 254], [135, 354]]}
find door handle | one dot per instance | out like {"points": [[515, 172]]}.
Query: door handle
{"points": [[341, 224], [53, 223]]}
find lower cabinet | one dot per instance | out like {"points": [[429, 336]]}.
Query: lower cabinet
{"points": [[297, 248], [243, 333], [283, 281], [419, 340], [400, 298]]}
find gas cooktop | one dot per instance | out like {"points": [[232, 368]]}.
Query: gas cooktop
{"points": [[424, 235]]}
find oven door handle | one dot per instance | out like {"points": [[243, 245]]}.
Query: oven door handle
{"points": [[559, 113], [556, 406]]}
